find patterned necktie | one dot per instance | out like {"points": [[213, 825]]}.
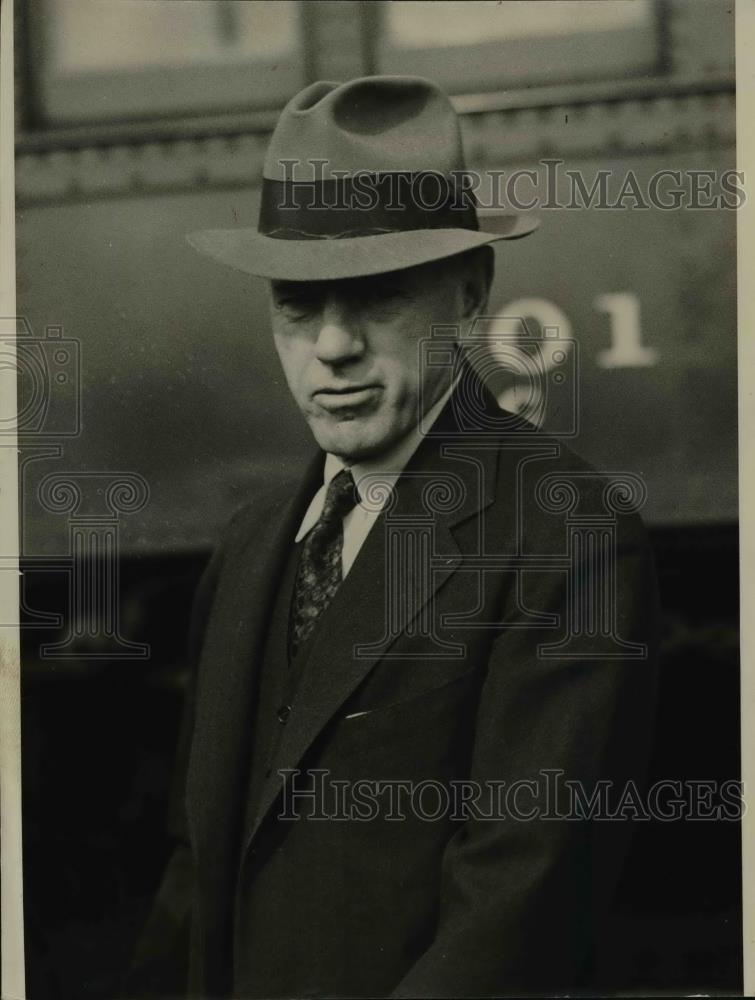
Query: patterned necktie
{"points": [[320, 573]]}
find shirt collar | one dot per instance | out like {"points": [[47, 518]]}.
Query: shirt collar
{"points": [[377, 476]]}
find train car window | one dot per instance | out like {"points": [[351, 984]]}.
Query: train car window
{"points": [[148, 58], [477, 45]]}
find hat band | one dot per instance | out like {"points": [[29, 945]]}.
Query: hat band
{"points": [[365, 205]]}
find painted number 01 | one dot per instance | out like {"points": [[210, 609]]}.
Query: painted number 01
{"points": [[626, 349]]}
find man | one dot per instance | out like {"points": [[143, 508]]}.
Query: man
{"points": [[394, 652]]}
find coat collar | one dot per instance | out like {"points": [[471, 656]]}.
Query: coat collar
{"points": [[450, 478]]}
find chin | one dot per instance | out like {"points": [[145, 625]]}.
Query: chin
{"points": [[350, 441]]}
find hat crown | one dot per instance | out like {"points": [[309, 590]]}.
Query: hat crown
{"points": [[376, 124], [351, 187]]}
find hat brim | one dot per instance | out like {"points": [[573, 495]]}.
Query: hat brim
{"points": [[252, 252]]}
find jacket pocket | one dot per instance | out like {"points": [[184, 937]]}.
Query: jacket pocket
{"points": [[417, 718]]}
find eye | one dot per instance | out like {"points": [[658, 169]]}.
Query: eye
{"points": [[297, 305], [384, 297]]}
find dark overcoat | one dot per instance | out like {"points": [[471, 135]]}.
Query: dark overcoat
{"points": [[495, 638]]}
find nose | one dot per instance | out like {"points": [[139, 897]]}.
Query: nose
{"points": [[339, 338]]}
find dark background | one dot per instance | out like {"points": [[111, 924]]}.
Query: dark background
{"points": [[170, 378]]}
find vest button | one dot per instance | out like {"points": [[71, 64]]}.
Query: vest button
{"points": [[283, 713]]}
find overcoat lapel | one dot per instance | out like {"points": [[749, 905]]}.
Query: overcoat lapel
{"points": [[230, 662], [359, 629]]}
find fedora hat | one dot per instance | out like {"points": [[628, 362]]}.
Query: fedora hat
{"points": [[362, 178]]}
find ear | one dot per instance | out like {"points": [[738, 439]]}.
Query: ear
{"points": [[477, 279]]}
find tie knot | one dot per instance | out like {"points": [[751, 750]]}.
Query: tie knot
{"points": [[340, 497]]}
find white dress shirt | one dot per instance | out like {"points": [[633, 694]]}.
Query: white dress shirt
{"points": [[377, 478]]}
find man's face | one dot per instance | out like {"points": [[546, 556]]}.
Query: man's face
{"points": [[350, 352]]}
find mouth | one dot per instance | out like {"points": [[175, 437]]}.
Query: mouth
{"points": [[343, 397]]}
